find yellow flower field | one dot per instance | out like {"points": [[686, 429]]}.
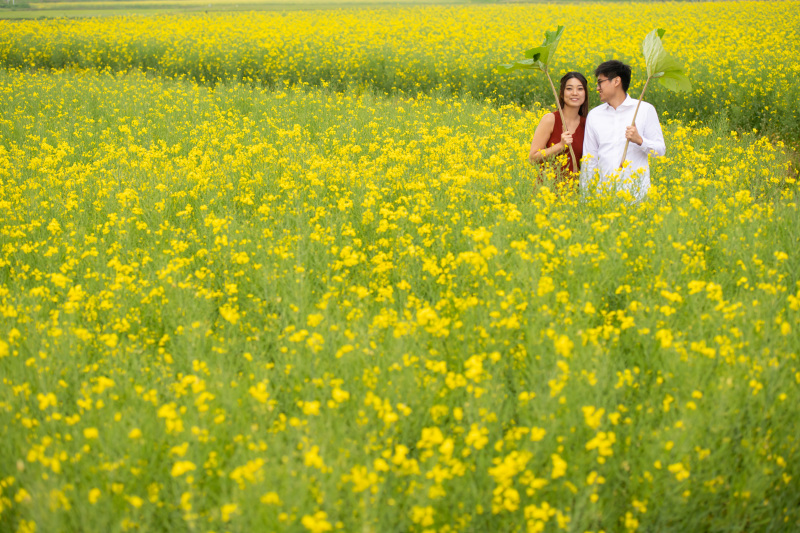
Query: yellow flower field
{"points": [[240, 309], [741, 56]]}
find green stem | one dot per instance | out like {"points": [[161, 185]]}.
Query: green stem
{"points": [[633, 123], [563, 120]]}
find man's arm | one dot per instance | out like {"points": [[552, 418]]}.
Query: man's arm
{"points": [[651, 134]]}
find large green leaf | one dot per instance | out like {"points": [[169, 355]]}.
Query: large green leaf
{"points": [[547, 49], [528, 64], [537, 58], [660, 65], [676, 81]]}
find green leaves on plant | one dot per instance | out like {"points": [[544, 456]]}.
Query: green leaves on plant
{"points": [[542, 54], [661, 66], [528, 64], [538, 58]]}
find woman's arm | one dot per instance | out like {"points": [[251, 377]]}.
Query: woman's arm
{"points": [[539, 148]]}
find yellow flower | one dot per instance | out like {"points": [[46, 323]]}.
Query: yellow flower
{"points": [[227, 510], [559, 466], [135, 501], [422, 515], [181, 467], [317, 523], [309, 408], [109, 339], [46, 400], [314, 320], [229, 313], [340, 395], [538, 433], [271, 498], [545, 285], [680, 471], [593, 416], [564, 346]]}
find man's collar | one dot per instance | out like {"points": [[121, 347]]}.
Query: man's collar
{"points": [[628, 101], [625, 103]]}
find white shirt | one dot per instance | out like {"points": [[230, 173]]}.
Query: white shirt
{"points": [[604, 142]]}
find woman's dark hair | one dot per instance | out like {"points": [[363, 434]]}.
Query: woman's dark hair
{"points": [[612, 69], [584, 110]]}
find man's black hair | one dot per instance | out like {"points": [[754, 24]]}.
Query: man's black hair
{"points": [[613, 69]]}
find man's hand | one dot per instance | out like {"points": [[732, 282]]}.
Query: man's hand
{"points": [[632, 134]]}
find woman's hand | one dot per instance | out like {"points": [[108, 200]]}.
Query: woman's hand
{"points": [[566, 140]]}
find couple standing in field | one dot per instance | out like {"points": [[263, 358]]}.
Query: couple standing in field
{"points": [[599, 136]]}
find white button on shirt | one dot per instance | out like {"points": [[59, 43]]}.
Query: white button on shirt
{"points": [[604, 142]]}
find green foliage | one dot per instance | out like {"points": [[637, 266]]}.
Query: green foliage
{"points": [[538, 58], [660, 65]]}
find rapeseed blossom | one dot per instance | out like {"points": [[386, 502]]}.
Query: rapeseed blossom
{"points": [[419, 326]]}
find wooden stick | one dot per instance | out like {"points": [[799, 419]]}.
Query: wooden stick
{"points": [[628, 141]]}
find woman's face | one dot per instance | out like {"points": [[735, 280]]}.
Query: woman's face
{"points": [[574, 93]]}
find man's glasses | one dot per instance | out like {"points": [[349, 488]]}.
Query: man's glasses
{"points": [[600, 82]]}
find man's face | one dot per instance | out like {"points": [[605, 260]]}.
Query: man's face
{"points": [[607, 87]]}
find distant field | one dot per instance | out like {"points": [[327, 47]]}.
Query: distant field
{"points": [[92, 8], [409, 49], [54, 9], [222, 4]]}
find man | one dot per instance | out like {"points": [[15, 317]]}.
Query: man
{"points": [[608, 126]]}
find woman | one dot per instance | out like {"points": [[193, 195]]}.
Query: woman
{"points": [[551, 137]]}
